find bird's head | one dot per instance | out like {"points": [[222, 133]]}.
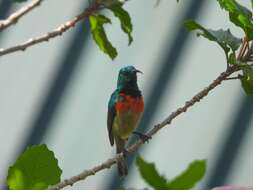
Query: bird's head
{"points": [[127, 77]]}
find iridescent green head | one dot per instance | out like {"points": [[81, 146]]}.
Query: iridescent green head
{"points": [[128, 77]]}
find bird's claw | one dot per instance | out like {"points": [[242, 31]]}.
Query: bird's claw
{"points": [[125, 153], [143, 137]]}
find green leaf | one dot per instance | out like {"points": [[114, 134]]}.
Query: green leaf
{"points": [[227, 41], [247, 86], [239, 15], [189, 177], [150, 174], [247, 80], [247, 72], [98, 33], [232, 59], [35, 169], [125, 20]]}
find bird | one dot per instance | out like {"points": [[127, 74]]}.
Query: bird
{"points": [[125, 109]]}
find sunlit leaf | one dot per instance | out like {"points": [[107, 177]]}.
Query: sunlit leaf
{"points": [[125, 20], [239, 15], [35, 169], [98, 33]]}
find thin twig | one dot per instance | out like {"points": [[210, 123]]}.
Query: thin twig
{"points": [[13, 18], [57, 32], [107, 164]]}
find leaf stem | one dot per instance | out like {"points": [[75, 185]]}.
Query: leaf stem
{"points": [[243, 48]]}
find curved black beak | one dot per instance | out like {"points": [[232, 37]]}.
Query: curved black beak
{"points": [[138, 71]]}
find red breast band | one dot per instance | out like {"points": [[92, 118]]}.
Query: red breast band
{"points": [[130, 102]]}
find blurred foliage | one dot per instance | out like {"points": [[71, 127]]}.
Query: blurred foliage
{"points": [[151, 175], [185, 181], [188, 179]]}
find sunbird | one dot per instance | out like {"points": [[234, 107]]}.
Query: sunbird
{"points": [[125, 109]]}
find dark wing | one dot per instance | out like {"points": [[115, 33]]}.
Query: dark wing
{"points": [[110, 115]]}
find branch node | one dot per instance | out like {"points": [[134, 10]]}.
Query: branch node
{"points": [[93, 172], [46, 37], [13, 18]]}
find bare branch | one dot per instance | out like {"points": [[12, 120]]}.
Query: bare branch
{"points": [[107, 164], [13, 18], [57, 32]]}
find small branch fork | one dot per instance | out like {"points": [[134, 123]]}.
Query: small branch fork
{"points": [[57, 32], [246, 51], [245, 55], [107, 164], [234, 78], [13, 18]]}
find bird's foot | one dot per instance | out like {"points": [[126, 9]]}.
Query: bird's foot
{"points": [[125, 153], [143, 137]]}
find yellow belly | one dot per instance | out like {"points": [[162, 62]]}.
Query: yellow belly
{"points": [[125, 123]]}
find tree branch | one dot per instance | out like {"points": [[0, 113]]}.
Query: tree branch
{"points": [[234, 78], [107, 164], [13, 18], [57, 32]]}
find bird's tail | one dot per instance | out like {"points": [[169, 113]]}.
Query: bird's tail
{"points": [[121, 163], [122, 167]]}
